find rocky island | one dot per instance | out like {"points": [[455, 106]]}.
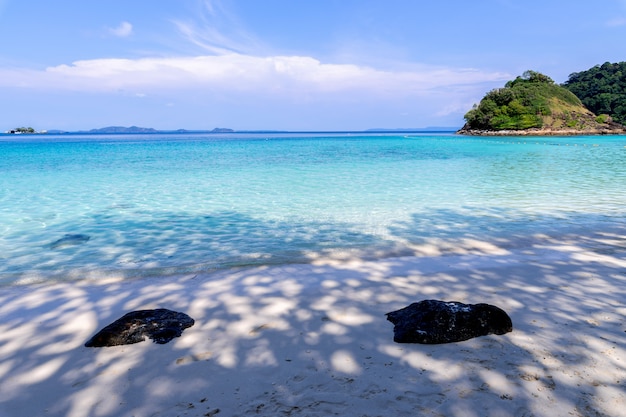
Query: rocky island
{"points": [[534, 105]]}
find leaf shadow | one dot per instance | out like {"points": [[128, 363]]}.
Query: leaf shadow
{"points": [[312, 339]]}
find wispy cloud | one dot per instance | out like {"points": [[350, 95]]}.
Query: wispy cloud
{"points": [[217, 31], [617, 21], [620, 18], [124, 30]]}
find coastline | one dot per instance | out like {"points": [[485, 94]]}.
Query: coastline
{"points": [[615, 130], [312, 339]]}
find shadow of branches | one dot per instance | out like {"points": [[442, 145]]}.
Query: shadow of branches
{"points": [[312, 339]]}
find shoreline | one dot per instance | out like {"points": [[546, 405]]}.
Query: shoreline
{"points": [[609, 131], [470, 243], [312, 339]]}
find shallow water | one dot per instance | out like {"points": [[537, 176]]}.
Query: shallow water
{"points": [[168, 204]]}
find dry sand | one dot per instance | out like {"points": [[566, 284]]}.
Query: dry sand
{"points": [[312, 340]]}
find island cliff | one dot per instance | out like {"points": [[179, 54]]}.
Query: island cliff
{"points": [[534, 105]]}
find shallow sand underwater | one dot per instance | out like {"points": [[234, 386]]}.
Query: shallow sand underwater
{"points": [[312, 339]]}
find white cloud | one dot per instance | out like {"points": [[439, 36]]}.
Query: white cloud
{"points": [[278, 75], [292, 92], [124, 30]]}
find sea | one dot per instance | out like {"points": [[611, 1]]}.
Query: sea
{"points": [[91, 207]]}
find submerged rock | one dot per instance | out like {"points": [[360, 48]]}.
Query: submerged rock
{"points": [[69, 240], [160, 325], [434, 321]]}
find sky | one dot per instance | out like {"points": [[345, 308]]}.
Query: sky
{"points": [[297, 65]]}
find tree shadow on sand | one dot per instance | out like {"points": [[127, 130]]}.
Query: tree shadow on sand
{"points": [[312, 340]]}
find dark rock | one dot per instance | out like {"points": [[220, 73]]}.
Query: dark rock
{"points": [[69, 240], [160, 325], [433, 321]]}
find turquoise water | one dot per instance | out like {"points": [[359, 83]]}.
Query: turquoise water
{"points": [[147, 205]]}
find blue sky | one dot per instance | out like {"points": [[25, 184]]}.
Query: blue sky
{"points": [[285, 64]]}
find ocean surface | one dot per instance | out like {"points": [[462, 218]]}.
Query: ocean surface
{"points": [[78, 207]]}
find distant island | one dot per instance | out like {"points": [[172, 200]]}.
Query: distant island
{"points": [[112, 130], [24, 131], [533, 104], [136, 129], [122, 129]]}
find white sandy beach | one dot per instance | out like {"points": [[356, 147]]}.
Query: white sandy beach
{"points": [[313, 340]]}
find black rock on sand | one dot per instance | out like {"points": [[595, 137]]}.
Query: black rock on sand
{"points": [[160, 325], [434, 321]]}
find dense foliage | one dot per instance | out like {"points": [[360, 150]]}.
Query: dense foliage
{"points": [[602, 89], [521, 104], [23, 130]]}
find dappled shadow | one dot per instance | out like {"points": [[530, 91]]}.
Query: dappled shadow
{"points": [[312, 339], [126, 242], [500, 228]]}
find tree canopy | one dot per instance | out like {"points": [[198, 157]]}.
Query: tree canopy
{"points": [[521, 104], [602, 89], [23, 130]]}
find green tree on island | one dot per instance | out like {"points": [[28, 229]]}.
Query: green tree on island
{"points": [[23, 130], [602, 89], [523, 103]]}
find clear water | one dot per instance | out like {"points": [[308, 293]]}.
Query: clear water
{"points": [[159, 204]]}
